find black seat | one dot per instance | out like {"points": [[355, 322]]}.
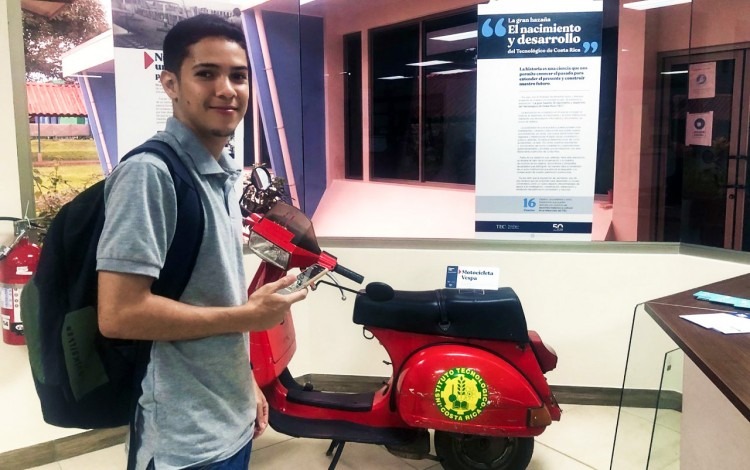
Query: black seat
{"points": [[463, 313]]}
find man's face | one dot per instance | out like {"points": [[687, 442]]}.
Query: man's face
{"points": [[211, 91]]}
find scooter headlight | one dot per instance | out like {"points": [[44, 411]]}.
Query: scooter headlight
{"points": [[267, 251]]}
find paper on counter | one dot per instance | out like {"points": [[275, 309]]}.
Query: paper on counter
{"points": [[727, 323]]}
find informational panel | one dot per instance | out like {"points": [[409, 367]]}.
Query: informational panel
{"points": [[138, 33], [539, 64]]}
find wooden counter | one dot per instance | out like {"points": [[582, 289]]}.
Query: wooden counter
{"points": [[724, 359]]}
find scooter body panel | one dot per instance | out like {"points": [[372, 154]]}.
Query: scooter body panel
{"points": [[466, 389], [273, 349], [380, 415], [519, 355]]}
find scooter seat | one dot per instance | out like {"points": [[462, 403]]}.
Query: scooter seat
{"points": [[462, 313]]}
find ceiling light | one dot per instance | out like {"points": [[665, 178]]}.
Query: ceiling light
{"points": [[456, 36], [452, 71], [648, 4], [393, 77], [429, 63], [302, 2], [675, 72]]}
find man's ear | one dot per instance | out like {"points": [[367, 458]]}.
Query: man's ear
{"points": [[170, 84]]}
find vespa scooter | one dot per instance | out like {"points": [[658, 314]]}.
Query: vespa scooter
{"points": [[464, 363]]}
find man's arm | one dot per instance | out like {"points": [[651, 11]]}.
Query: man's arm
{"points": [[128, 310]]}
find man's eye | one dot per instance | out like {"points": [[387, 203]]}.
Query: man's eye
{"points": [[239, 77], [204, 74]]}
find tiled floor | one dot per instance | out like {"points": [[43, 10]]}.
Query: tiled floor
{"points": [[582, 440]]}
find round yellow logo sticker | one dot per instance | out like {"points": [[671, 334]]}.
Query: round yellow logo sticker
{"points": [[461, 394]]}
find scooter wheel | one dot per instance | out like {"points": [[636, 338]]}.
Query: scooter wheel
{"points": [[469, 452]]}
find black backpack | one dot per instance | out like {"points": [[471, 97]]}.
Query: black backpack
{"points": [[83, 379]]}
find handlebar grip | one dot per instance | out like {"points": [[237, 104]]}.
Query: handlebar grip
{"points": [[349, 274]]}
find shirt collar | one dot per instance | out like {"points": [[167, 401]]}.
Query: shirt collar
{"points": [[204, 162]]}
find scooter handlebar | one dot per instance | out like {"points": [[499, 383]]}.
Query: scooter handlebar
{"points": [[349, 274]]}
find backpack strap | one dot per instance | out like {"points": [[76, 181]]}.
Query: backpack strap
{"points": [[179, 263], [183, 251]]}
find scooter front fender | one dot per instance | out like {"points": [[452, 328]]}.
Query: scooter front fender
{"points": [[465, 389]]}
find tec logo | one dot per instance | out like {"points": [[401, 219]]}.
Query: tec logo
{"points": [[461, 394], [700, 123]]}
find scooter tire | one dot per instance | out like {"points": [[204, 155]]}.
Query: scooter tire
{"points": [[470, 452]]}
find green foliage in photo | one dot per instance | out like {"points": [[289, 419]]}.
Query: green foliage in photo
{"points": [[57, 184], [63, 149]]}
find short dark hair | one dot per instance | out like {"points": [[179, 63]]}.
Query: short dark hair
{"points": [[191, 30]]}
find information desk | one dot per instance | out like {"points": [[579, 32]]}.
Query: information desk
{"points": [[724, 359], [699, 417]]}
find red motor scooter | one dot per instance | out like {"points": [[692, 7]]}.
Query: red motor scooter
{"points": [[464, 362]]}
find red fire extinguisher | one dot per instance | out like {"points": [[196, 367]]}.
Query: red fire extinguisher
{"points": [[17, 263]]}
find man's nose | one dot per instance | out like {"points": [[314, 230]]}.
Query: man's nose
{"points": [[225, 87]]}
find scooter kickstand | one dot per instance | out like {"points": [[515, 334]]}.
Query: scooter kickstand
{"points": [[339, 446]]}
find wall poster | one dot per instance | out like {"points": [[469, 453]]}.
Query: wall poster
{"points": [[539, 64], [138, 32], [699, 129], [702, 80]]}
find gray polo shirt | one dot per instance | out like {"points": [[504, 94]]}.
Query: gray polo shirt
{"points": [[198, 405]]}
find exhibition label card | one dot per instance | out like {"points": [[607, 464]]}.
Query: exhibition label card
{"points": [[472, 277]]}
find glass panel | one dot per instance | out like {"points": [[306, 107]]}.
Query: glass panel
{"points": [[665, 439], [641, 394], [695, 204], [450, 99], [353, 105], [418, 122], [394, 139]]}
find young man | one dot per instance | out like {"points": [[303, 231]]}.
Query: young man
{"points": [[199, 399]]}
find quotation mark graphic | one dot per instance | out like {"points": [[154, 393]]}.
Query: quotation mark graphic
{"points": [[499, 30], [593, 46]]}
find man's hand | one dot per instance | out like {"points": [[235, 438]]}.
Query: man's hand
{"points": [[268, 308], [261, 417]]}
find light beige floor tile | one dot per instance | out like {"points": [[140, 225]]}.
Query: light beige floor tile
{"points": [[545, 458], [111, 458], [584, 433], [668, 418], [49, 466], [634, 441], [673, 466], [310, 455], [665, 448], [270, 437]]}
